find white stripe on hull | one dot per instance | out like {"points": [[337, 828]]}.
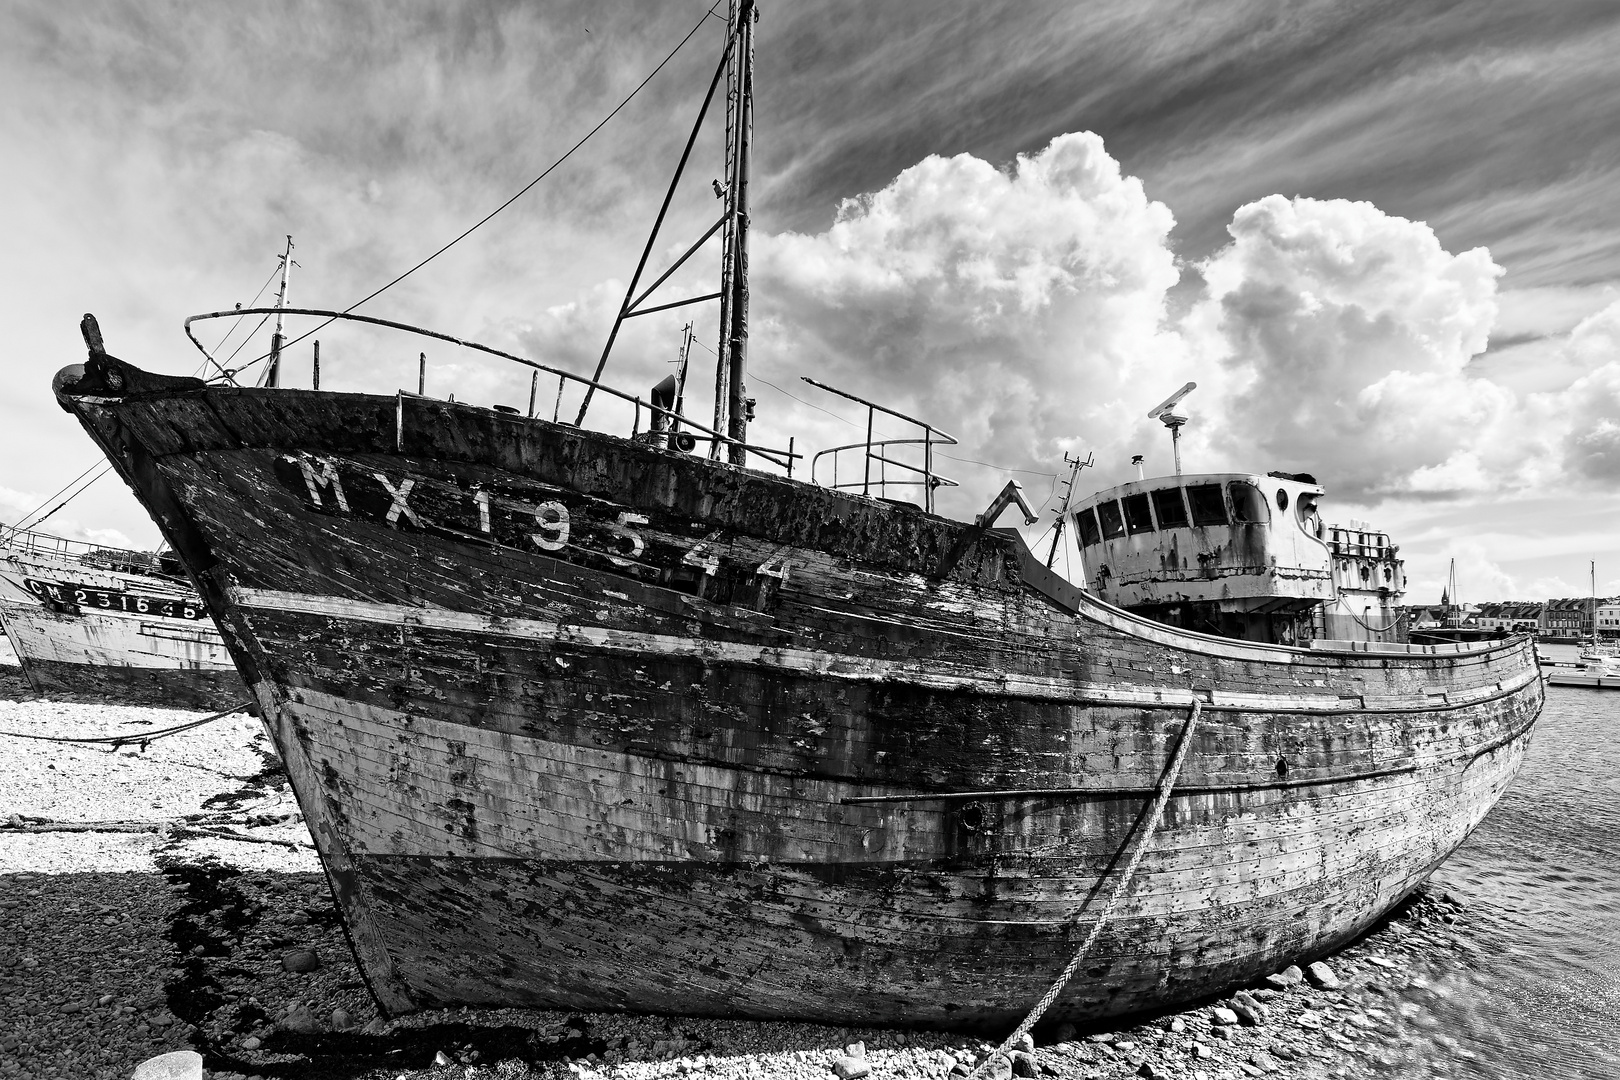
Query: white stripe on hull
{"points": [[931, 674], [108, 641]]}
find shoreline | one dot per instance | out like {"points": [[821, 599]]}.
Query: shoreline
{"points": [[179, 918]]}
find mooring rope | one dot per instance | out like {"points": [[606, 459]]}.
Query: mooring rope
{"points": [[1166, 785], [115, 741], [174, 827]]}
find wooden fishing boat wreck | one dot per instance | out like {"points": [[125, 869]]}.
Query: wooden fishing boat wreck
{"points": [[124, 625], [586, 721]]}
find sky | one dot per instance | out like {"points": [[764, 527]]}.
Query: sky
{"points": [[1382, 237]]}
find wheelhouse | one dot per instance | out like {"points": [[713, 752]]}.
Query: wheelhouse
{"points": [[1238, 554]]}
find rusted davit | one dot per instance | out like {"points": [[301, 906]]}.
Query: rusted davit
{"points": [[583, 722]]}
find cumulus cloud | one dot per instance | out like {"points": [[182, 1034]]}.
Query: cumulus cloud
{"points": [[1592, 402], [1020, 308], [1024, 308], [1343, 335]]}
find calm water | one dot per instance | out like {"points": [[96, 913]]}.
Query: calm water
{"points": [[1539, 994]]}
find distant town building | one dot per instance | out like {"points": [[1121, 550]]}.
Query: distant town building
{"points": [[1513, 616], [1421, 617], [1607, 619], [1569, 619]]}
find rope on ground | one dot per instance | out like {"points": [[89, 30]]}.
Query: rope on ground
{"points": [[1167, 784], [145, 737], [226, 834], [214, 828], [31, 823]]}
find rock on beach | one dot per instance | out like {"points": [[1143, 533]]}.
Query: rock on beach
{"points": [[1322, 976], [179, 1065]]}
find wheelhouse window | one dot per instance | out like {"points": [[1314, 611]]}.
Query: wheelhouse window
{"points": [[1208, 508], [1086, 522], [1138, 519], [1113, 522], [1309, 519], [1248, 504], [1169, 508]]}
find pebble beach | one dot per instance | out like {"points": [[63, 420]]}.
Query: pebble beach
{"points": [[165, 897]]}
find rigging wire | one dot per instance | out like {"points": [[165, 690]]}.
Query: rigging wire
{"points": [[26, 522], [990, 465], [241, 344], [521, 192], [23, 524], [232, 328], [81, 490]]}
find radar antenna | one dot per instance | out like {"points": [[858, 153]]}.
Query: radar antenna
{"points": [[1165, 415]]}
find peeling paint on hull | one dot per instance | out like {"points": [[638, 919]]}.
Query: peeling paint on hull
{"points": [[584, 724]]}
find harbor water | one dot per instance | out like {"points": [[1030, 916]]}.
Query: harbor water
{"points": [[1537, 993]]}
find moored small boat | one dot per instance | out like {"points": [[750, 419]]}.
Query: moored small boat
{"points": [[1593, 672]]}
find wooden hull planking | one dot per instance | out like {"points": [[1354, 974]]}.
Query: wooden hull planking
{"points": [[578, 723]]}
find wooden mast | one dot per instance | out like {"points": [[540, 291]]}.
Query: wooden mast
{"points": [[272, 373], [731, 402]]}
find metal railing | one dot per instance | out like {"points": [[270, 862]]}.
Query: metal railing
{"points": [[701, 432], [98, 555], [873, 451]]}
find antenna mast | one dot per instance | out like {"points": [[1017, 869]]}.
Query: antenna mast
{"points": [[272, 373], [1068, 497], [680, 379], [1166, 415]]}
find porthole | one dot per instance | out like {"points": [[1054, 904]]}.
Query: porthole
{"points": [[1282, 499]]}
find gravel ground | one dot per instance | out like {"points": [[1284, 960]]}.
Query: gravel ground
{"points": [[119, 945]]}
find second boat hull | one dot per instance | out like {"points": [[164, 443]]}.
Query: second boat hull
{"points": [[123, 637]]}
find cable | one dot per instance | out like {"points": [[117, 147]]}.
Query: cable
{"points": [[243, 343], [988, 465], [642, 85], [760, 378], [232, 328], [27, 521], [81, 490], [126, 740]]}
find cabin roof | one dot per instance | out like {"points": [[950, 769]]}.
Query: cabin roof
{"points": [[1157, 483]]}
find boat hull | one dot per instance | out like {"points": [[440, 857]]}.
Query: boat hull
{"points": [[580, 723], [1584, 680], [70, 636]]}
